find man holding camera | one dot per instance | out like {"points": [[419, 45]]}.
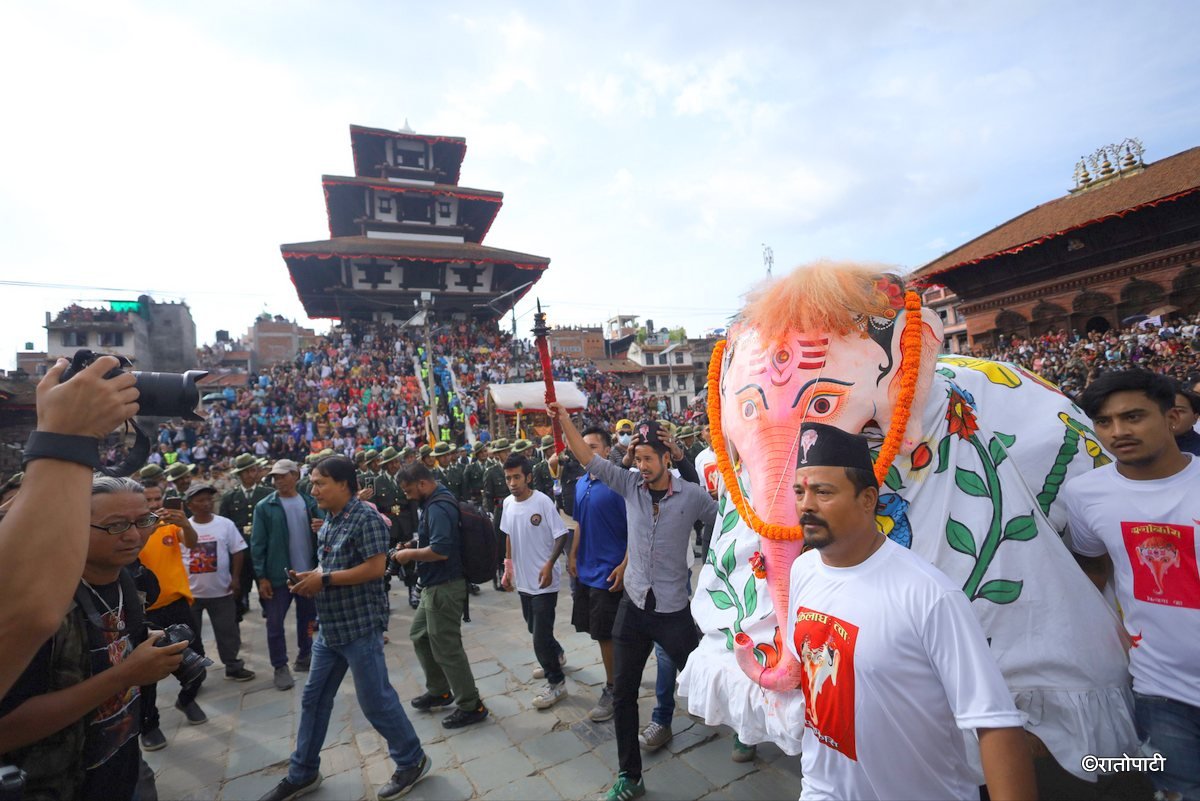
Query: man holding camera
{"points": [[352, 604], [72, 719], [284, 539]]}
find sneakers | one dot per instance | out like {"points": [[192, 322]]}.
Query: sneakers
{"points": [[403, 780], [153, 740], [603, 710], [625, 789], [655, 736], [551, 695], [539, 673], [458, 718], [302, 664], [241, 674], [194, 714], [283, 678], [286, 791], [743, 752], [473, 588], [427, 702]]}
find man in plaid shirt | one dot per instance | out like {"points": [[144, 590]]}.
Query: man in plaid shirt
{"points": [[352, 608]]}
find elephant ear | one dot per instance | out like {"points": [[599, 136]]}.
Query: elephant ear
{"points": [[931, 345]]}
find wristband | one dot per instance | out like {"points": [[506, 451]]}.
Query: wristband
{"points": [[326, 580], [66, 447]]}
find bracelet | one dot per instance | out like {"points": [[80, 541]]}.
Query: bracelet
{"points": [[66, 447]]}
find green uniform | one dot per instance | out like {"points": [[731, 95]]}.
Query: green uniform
{"points": [[439, 475], [387, 499], [455, 479], [473, 481], [695, 450], [495, 488], [238, 505], [542, 480]]}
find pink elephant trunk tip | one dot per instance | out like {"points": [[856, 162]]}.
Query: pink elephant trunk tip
{"points": [[783, 676]]}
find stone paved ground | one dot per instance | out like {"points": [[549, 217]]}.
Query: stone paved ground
{"points": [[519, 753]]}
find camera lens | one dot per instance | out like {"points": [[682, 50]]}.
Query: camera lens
{"points": [[170, 394]]}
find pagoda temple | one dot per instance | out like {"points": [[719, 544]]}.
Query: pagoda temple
{"points": [[402, 229], [1122, 245]]}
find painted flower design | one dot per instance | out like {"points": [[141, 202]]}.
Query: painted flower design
{"points": [[922, 455], [960, 413], [758, 565]]}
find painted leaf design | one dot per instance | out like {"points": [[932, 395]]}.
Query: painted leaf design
{"points": [[959, 537], [729, 521], [943, 454], [969, 482], [996, 451], [721, 599], [728, 561], [893, 479], [728, 638], [750, 596], [1021, 528], [946, 372], [721, 506], [1006, 439], [1000, 591]]}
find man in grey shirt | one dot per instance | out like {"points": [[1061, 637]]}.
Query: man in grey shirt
{"points": [[660, 509]]}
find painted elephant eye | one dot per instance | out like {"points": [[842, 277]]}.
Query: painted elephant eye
{"points": [[749, 409], [824, 404]]}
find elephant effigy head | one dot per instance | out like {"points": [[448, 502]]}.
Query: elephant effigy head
{"points": [[823, 345]]}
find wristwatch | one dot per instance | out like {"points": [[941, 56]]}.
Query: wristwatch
{"points": [[326, 580]]}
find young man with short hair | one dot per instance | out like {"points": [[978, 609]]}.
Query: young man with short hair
{"points": [[1187, 407], [895, 666], [660, 510], [437, 625], [1135, 520], [214, 564], [352, 605], [598, 562], [534, 539]]}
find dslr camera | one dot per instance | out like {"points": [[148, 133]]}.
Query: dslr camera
{"points": [[193, 665], [159, 395]]}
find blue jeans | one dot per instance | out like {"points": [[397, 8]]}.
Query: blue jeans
{"points": [[664, 683], [1171, 728], [376, 696]]}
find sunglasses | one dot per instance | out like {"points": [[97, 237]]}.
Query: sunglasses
{"points": [[121, 526]]}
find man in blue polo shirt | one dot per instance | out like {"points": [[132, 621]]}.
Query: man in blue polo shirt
{"points": [[597, 560]]}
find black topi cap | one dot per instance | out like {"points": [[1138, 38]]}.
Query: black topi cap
{"points": [[826, 446]]}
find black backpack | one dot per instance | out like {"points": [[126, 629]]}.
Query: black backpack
{"points": [[477, 540]]}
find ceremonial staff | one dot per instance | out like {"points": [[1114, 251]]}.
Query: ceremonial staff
{"points": [[540, 336]]}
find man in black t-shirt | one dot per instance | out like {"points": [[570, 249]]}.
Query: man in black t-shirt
{"points": [[72, 719]]}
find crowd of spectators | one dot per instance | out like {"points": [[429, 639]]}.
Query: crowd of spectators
{"points": [[1073, 360]]}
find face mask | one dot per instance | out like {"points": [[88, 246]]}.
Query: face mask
{"points": [[624, 439]]}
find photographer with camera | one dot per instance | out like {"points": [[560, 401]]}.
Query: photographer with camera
{"points": [[71, 721], [54, 502]]}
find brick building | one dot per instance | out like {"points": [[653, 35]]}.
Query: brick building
{"points": [[1124, 242]]}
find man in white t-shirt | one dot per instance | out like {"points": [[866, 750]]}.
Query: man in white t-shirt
{"points": [[895, 670], [535, 539], [213, 569], [1140, 514]]}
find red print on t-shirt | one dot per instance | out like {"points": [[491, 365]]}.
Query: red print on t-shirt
{"points": [[1163, 558], [826, 647]]}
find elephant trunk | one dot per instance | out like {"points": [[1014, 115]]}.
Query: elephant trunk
{"points": [[785, 672]]}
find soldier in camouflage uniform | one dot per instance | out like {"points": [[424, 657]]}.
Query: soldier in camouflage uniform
{"points": [[238, 505], [456, 474], [441, 454], [473, 474], [178, 477], [495, 490], [543, 481]]}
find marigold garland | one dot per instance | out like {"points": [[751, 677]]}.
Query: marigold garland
{"points": [[910, 344]]}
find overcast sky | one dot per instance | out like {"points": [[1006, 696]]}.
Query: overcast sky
{"points": [[648, 149]]}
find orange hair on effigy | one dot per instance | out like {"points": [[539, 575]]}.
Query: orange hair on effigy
{"points": [[824, 296]]}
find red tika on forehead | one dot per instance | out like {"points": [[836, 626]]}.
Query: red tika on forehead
{"points": [[811, 355]]}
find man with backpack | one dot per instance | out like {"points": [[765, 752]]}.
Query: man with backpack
{"points": [[437, 625]]}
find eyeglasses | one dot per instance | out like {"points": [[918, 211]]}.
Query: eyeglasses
{"points": [[121, 526]]}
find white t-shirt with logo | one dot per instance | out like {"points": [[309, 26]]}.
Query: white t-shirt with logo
{"points": [[896, 675], [208, 563], [533, 525], [1148, 528], [706, 468]]}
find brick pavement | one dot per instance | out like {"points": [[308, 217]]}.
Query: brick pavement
{"points": [[518, 753]]}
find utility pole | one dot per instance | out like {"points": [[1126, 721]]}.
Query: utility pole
{"points": [[768, 258]]}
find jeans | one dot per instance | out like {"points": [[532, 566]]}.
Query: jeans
{"points": [[635, 632], [376, 696], [539, 617], [222, 612], [664, 688], [437, 638], [1171, 728], [178, 611], [277, 608]]}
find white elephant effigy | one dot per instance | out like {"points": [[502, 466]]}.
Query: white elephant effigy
{"points": [[971, 456]]}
